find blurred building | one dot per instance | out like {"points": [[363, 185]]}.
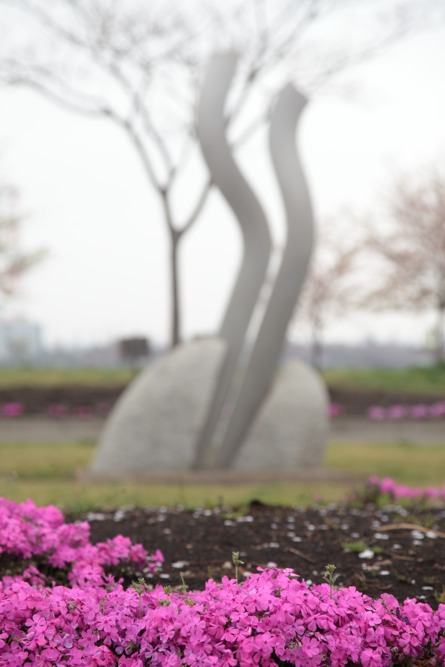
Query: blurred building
{"points": [[20, 342], [135, 350]]}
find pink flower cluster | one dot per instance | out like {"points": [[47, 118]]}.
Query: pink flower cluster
{"points": [[39, 536], [11, 409], [273, 618], [388, 486], [419, 411], [335, 410], [62, 410], [17, 409]]}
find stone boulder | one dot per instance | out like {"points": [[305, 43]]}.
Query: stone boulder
{"points": [[153, 427], [291, 429]]}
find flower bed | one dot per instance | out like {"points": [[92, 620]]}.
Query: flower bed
{"points": [[14, 409], [65, 601], [389, 487], [416, 412], [62, 402]]}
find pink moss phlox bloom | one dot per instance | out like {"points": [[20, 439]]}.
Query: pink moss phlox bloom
{"points": [[11, 409], [27, 531], [57, 410], [273, 616], [388, 486], [84, 411], [396, 412], [437, 410], [419, 411], [335, 410], [376, 413]]}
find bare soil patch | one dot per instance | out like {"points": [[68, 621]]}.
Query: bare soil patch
{"points": [[392, 550]]}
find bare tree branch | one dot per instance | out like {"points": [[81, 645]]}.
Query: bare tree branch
{"points": [[196, 211], [14, 262], [141, 65]]}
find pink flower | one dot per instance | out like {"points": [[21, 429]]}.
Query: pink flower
{"points": [[437, 410], [396, 412], [57, 410], [335, 410], [13, 409], [419, 411], [377, 413], [83, 411]]}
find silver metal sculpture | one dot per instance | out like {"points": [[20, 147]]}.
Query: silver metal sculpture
{"points": [[219, 403], [265, 354], [255, 236]]}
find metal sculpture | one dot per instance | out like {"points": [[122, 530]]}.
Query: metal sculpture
{"points": [[194, 407], [254, 230], [257, 377]]}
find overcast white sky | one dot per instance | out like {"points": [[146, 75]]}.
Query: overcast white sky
{"points": [[106, 275]]}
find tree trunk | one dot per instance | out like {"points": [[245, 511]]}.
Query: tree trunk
{"points": [[316, 347], [175, 338], [439, 348]]}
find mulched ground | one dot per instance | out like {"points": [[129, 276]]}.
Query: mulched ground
{"points": [[402, 551], [100, 399]]}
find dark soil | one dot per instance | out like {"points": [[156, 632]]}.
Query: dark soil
{"points": [[100, 399], [408, 545], [36, 400]]}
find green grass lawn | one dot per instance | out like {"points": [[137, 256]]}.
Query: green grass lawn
{"points": [[59, 377], [429, 380], [51, 473], [421, 380]]}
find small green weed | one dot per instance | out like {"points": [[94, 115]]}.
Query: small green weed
{"points": [[360, 546], [237, 562], [330, 577]]}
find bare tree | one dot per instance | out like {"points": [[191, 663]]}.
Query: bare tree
{"points": [[333, 285], [140, 64], [412, 252], [13, 261]]}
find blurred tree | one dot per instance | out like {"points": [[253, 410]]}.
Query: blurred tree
{"points": [[140, 64], [13, 261], [332, 286], [411, 252]]}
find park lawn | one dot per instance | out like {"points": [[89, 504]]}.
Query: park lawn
{"points": [[415, 380], [65, 377], [52, 473], [428, 380]]}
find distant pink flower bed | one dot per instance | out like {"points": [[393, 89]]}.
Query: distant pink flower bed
{"points": [[12, 409], [419, 411], [272, 618], [388, 486], [16, 409]]}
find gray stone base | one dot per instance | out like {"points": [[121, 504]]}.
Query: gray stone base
{"points": [[153, 426], [291, 429]]}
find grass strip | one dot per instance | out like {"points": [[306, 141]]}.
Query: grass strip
{"points": [[51, 473]]}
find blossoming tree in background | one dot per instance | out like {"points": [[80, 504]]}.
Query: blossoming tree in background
{"points": [[410, 248], [332, 286]]}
